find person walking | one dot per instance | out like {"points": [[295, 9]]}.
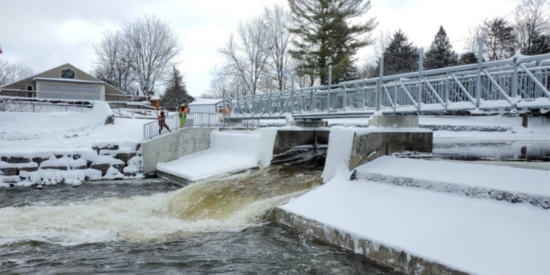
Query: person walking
{"points": [[162, 122]]}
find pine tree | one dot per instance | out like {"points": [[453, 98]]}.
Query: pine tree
{"points": [[327, 37], [176, 92], [540, 45], [468, 58], [400, 56], [499, 39], [441, 52]]}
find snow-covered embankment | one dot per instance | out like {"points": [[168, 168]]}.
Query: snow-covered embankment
{"points": [[429, 217], [67, 147]]}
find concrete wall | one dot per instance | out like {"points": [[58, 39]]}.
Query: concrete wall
{"points": [[372, 145], [173, 146], [291, 143], [394, 121], [387, 256]]}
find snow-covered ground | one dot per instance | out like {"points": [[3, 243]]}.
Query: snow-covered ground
{"points": [[476, 235], [48, 148], [28, 132], [480, 219], [508, 179]]}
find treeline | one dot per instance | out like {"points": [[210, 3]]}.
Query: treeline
{"points": [[142, 57], [314, 34], [265, 51], [13, 72]]}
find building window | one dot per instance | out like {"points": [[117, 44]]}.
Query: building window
{"points": [[68, 73], [30, 88]]}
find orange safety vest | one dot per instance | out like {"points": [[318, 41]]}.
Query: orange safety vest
{"points": [[186, 110], [228, 109]]}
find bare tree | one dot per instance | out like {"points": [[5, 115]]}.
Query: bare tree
{"points": [[218, 83], [13, 72], [5, 73], [381, 42], [113, 63], [471, 44], [247, 54], [153, 47], [277, 21], [532, 21]]}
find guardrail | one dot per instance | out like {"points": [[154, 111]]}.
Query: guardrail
{"points": [[517, 83], [152, 129], [213, 120], [8, 105], [125, 98], [17, 93], [108, 97]]}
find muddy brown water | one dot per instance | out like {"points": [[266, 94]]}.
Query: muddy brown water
{"points": [[151, 226]]}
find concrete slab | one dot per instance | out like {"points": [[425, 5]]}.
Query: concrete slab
{"points": [[394, 121], [173, 146]]}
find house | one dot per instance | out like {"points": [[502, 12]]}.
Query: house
{"points": [[63, 82], [206, 105]]}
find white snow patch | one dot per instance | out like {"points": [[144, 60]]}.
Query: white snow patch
{"points": [[515, 180], [229, 151], [473, 235]]}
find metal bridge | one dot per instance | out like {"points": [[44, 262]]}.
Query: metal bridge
{"points": [[520, 83]]}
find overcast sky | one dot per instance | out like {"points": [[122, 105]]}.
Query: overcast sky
{"points": [[43, 34]]}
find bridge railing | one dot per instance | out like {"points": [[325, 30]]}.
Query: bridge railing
{"points": [[153, 128], [213, 120], [517, 83]]}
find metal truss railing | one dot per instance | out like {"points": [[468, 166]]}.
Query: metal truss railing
{"points": [[212, 120], [518, 83]]}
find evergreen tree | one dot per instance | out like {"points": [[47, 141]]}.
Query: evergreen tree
{"points": [[468, 58], [441, 52], [400, 56], [540, 45], [499, 39], [176, 92], [327, 37]]}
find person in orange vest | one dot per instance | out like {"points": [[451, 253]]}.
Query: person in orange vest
{"points": [[183, 111], [228, 109], [162, 122], [182, 115]]}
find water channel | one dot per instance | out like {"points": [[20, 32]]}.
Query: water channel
{"points": [[151, 226], [211, 227]]}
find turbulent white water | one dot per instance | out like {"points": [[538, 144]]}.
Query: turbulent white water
{"points": [[225, 204]]}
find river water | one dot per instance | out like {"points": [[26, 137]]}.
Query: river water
{"points": [[210, 227], [151, 226], [529, 154]]}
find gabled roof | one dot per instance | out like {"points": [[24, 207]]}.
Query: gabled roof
{"points": [[41, 77], [68, 80], [206, 101]]}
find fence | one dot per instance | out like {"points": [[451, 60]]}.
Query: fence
{"points": [[152, 129], [204, 120], [125, 98], [522, 82], [36, 107], [213, 120]]}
